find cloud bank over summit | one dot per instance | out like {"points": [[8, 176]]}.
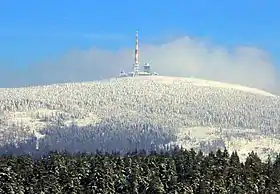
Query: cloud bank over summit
{"points": [[182, 56]]}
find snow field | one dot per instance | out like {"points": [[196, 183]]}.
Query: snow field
{"points": [[128, 113]]}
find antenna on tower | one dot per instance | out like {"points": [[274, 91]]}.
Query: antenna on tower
{"points": [[136, 65], [136, 55]]}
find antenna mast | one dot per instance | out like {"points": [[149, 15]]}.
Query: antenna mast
{"points": [[136, 59]]}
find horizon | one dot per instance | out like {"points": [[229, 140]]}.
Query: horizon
{"points": [[227, 42]]}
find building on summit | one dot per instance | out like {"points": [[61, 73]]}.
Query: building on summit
{"points": [[136, 70]]}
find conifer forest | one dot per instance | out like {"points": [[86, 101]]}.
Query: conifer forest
{"points": [[145, 135], [173, 171]]}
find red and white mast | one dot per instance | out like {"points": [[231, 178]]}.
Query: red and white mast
{"points": [[136, 59]]}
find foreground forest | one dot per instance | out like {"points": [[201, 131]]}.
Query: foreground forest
{"points": [[175, 171]]}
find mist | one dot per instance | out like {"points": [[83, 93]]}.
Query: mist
{"points": [[183, 56]]}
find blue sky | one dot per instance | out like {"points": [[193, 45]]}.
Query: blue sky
{"points": [[33, 31]]}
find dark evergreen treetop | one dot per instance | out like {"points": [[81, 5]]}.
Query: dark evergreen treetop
{"points": [[175, 171]]}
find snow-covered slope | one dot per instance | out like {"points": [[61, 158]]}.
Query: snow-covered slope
{"points": [[129, 113]]}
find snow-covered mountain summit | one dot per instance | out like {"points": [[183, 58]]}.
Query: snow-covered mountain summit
{"points": [[135, 112]]}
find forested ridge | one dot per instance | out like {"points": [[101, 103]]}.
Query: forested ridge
{"points": [[174, 171], [128, 113]]}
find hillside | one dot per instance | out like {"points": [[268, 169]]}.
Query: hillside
{"points": [[128, 113]]}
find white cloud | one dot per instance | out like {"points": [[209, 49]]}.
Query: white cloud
{"points": [[184, 56]]}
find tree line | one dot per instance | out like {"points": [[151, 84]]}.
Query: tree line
{"points": [[170, 171]]}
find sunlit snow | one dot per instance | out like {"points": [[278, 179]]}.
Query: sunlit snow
{"points": [[128, 113]]}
